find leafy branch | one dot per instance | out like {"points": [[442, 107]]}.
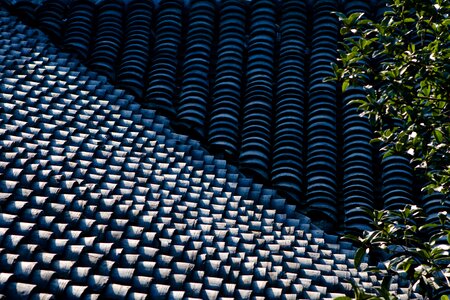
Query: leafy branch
{"points": [[402, 64]]}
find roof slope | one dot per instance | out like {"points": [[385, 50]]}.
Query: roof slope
{"points": [[245, 78], [100, 198]]}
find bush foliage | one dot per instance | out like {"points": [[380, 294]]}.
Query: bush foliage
{"points": [[403, 64]]}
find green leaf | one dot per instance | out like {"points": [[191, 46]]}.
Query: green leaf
{"points": [[353, 18], [343, 298], [359, 255], [426, 226], [444, 297], [340, 15], [442, 215], [388, 153], [386, 283], [406, 264], [385, 287], [345, 85], [351, 237], [438, 135]]}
